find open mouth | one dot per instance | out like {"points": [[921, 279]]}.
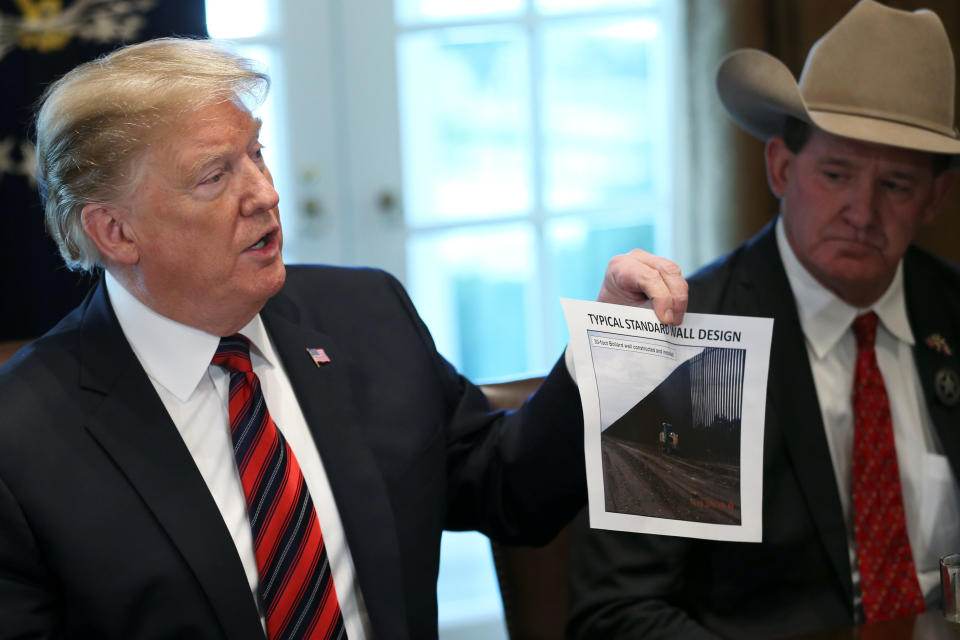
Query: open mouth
{"points": [[261, 243]]}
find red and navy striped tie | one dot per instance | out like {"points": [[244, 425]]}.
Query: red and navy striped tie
{"points": [[295, 586]]}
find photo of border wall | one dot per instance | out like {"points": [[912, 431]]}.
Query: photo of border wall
{"points": [[676, 453]]}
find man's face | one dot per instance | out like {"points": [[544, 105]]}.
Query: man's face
{"points": [[205, 222], [851, 208]]}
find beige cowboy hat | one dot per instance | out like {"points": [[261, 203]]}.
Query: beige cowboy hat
{"points": [[880, 74]]}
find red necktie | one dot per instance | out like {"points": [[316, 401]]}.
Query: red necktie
{"points": [[888, 576], [295, 586]]}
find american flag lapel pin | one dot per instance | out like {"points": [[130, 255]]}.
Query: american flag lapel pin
{"points": [[318, 355]]}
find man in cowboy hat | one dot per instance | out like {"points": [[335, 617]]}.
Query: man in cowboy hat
{"points": [[862, 434]]}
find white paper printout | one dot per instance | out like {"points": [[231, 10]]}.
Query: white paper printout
{"points": [[673, 419]]}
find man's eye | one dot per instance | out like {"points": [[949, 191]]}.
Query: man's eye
{"points": [[833, 175], [214, 178]]}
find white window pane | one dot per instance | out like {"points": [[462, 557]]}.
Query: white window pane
{"points": [[556, 6], [476, 289], [577, 254], [236, 18], [603, 116], [411, 11], [464, 123]]}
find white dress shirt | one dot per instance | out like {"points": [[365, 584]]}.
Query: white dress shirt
{"points": [[930, 497], [195, 393]]}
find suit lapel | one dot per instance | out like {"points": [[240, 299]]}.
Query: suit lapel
{"points": [[326, 399], [132, 426], [792, 405], [929, 316]]}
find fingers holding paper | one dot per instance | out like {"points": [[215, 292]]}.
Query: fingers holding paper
{"points": [[638, 277]]}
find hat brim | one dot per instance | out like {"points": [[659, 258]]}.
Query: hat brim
{"points": [[759, 92]]}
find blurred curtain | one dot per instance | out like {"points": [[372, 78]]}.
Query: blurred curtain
{"points": [[723, 172], [39, 41]]}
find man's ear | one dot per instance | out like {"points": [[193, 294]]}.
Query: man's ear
{"points": [[779, 159], [106, 225], [942, 184]]}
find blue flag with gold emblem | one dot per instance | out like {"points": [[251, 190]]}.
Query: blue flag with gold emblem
{"points": [[40, 40]]}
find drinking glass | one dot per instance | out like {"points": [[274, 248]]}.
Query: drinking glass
{"points": [[950, 586]]}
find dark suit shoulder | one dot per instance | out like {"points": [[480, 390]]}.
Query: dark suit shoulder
{"points": [[54, 351], [929, 272], [932, 289], [345, 299], [346, 282], [742, 281], [44, 406], [709, 284]]}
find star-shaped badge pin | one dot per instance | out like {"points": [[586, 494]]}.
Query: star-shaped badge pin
{"points": [[947, 386]]}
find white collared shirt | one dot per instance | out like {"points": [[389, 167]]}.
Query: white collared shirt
{"points": [[195, 393], [930, 497]]}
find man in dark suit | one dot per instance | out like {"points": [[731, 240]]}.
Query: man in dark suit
{"points": [[216, 446], [857, 155]]}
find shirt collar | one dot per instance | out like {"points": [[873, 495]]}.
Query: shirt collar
{"points": [[175, 355], [824, 317]]}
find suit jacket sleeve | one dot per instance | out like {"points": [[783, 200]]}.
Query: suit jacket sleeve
{"points": [[516, 476]]}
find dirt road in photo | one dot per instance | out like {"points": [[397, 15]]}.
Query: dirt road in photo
{"points": [[639, 480]]}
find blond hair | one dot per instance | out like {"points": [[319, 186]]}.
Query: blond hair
{"points": [[98, 119]]}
